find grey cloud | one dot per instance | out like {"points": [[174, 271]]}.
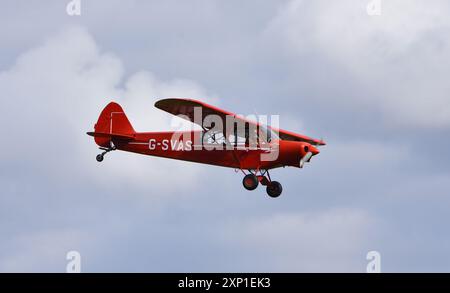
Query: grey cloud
{"points": [[381, 182]]}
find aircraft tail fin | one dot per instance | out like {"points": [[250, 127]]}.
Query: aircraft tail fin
{"points": [[112, 124]]}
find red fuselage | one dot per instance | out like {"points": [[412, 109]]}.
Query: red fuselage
{"points": [[181, 146]]}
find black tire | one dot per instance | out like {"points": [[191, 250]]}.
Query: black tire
{"points": [[250, 182], [274, 189], [99, 158]]}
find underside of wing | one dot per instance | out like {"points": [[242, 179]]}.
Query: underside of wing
{"points": [[186, 109], [287, 135]]}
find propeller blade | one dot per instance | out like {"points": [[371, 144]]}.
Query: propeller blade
{"points": [[305, 159]]}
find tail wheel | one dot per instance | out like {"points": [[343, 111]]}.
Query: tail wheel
{"points": [[274, 189], [99, 158], [250, 182]]}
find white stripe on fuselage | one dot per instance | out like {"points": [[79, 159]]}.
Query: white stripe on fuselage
{"points": [[187, 146]]}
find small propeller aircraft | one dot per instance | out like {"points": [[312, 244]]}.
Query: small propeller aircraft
{"points": [[225, 139]]}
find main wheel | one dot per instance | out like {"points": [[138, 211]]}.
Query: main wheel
{"points": [[250, 182], [99, 158], [274, 189]]}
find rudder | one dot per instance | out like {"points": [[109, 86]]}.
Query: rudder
{"points": [[113, 121]]}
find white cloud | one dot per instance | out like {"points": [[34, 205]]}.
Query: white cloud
{"points": [[42, 251], [54, 93], [402, 57]]}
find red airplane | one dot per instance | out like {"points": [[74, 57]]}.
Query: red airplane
{"points": [[242, 144]]}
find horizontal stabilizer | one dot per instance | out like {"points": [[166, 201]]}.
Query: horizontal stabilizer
{"points": [[112, 136]]}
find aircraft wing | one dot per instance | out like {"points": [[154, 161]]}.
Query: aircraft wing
{"points": [[185, 107], [287, 135]]}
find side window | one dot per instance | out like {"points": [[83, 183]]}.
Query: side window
{"points": [[213, 138]]}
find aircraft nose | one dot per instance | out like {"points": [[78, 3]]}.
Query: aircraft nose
{"points": [[309, 152], [314, 150]]}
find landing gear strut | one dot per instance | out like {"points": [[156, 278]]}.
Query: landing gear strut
{"points": [[252, 180], [101, 156]]}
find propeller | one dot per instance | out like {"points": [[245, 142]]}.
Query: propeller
{"points": [[305, 159]]}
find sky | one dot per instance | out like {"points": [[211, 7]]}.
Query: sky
{"points": [[374, 87]]}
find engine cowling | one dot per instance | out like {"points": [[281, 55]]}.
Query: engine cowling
{"points": [[307, 152], [296, 153]]}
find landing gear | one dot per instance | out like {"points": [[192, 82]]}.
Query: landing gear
{"points": [[101, 156], [252, 180], [274, 189]]}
